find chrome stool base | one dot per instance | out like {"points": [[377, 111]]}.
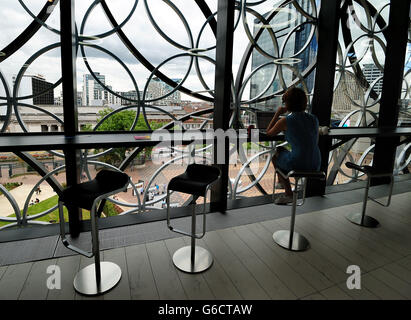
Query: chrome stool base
{"points": [[368, 221], [299, 242], [85, 280], [202, 259]]}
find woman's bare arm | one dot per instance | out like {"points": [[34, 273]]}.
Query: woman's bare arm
{"points": [[277, 115], [280, 125], [272, 122]]}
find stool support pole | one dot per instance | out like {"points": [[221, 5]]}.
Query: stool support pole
{"points": [[292, 223], [192, 258], [364, 204], [275, 181], [362, 219], [103, 276], [193, 235], [96, 245], [289, 239]]}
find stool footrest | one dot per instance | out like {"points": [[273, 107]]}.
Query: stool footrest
{"points": [[368, 170], [380, 203], [185, 232], [68, 245]]}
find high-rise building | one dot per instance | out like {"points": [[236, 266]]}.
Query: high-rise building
{"points": [[33, 85], [408, 57], [158, 88], [59, 100], [93, 92], [347, 93], [79, 98], [132, 94], [282, 26], [371, 73]]}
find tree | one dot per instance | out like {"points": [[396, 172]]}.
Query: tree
{"points": [[86, 127], [122, 121]]}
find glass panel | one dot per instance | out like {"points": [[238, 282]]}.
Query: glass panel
{"points": [[30, 73], [403, 155], [142, 65], [156, 70], [27, 198], [275, 47], [358, 82]]}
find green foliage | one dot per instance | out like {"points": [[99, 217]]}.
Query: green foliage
{"points": [[122, 121], [11, 185], [109, 209], [86, 127]]}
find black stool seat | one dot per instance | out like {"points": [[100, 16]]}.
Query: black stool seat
{"points": [[368, 170], [306, 174], [83, 194], [195, 180]]}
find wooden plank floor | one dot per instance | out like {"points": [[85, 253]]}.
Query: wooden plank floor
{"points": [[249, 265]]}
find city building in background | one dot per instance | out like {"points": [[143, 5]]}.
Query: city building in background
{"points": [[33, 85], [408, 58], [158, 88], [347, 93], [371, 73], [130, 97], [93, 92], [88, 117], [281, 27]]}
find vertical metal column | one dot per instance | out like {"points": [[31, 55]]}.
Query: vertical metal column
{"points": [[293, 212], [222, 83], [69, 82], [328, 21], [193, 236], [385, 148], [96, 245]]}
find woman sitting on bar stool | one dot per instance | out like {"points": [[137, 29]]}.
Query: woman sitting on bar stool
{"points": [[301, 132]]}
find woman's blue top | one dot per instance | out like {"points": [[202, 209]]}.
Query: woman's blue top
{"points": [[302, 135]]}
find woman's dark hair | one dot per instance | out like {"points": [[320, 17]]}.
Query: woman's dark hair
{"points": [[295, 99]]}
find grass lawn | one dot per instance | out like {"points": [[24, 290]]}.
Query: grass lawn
{"points": [[52, 216], [109, 210]]}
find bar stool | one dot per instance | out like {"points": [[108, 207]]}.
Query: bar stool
{"points": [[98, 277], [196, 180], [362, 219], [289, 239]]}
